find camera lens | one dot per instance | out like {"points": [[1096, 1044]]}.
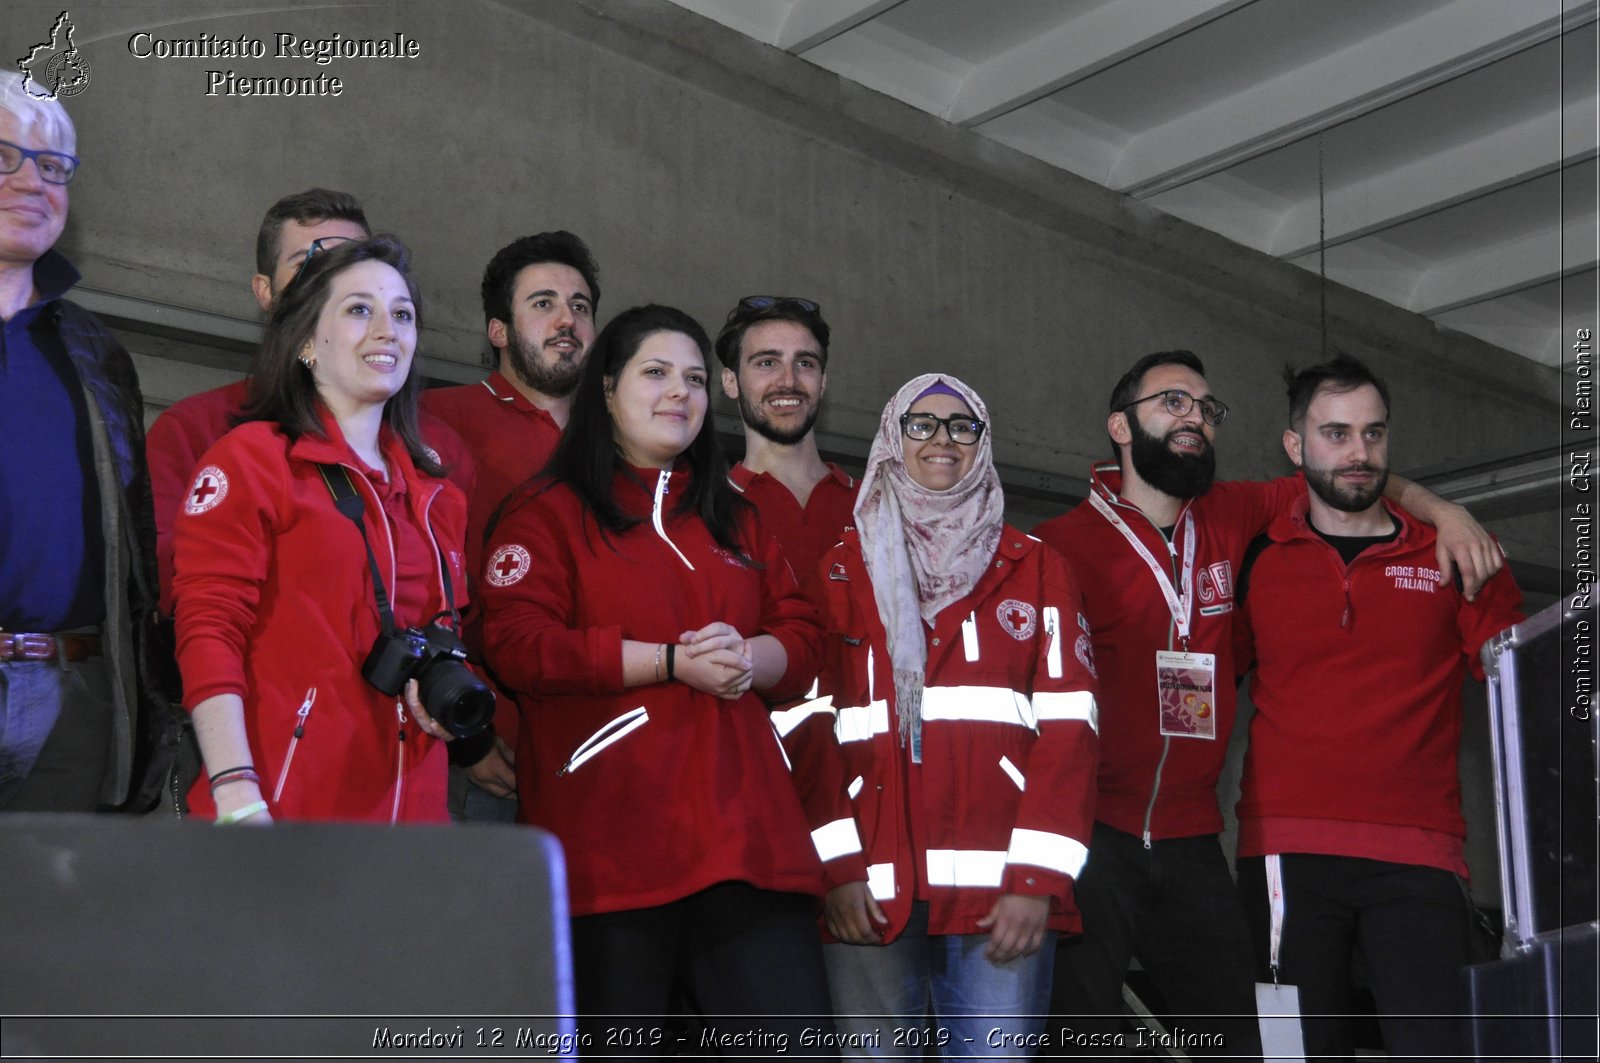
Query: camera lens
{"points": [[456, 698]]}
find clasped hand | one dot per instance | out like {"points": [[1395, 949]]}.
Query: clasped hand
{"points": [[715, 659]]}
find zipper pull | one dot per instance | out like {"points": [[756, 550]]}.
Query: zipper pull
{"points": [[1349, 608], [400, 717], [1147, 839], [305, 713]]}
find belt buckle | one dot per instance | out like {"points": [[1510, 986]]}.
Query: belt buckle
{"points": [[32, 646]]}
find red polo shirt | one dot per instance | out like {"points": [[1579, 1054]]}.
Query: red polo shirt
{"points": [[805, 532]]}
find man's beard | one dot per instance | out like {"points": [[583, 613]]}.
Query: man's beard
{"points": [[787, 437], [1347, 498], [1177, 475], [556, 379]]}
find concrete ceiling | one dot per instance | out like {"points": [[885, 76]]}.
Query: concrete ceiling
{"points": [[1453, 142]]}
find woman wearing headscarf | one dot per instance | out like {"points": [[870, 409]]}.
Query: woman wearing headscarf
{"points": [[959, 668]]}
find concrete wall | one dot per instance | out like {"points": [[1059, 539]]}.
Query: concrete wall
{"points": [[702, 166]]}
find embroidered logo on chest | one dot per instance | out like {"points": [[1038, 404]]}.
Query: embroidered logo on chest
{"points": [[1017, 619], [1414, 578], [210, 488], [1216, 582], [508, 565]]}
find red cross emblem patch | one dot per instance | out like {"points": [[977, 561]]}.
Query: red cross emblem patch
{"points": [[210, 488], [508, 565], [1017, 619]]}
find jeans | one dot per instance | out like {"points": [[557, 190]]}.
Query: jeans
{"points": [[55, 734], [1174, 906], [469, 804], [1410, 925], [927, 992]]}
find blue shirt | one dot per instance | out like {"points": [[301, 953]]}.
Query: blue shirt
{"points": [[52, 550]]}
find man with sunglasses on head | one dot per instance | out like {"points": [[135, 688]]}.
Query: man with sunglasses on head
{"points": [[1156, 547], [76, 541], [540, 295]]}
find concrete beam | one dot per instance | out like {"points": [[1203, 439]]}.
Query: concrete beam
{"points": [[1433, 48], [1075, 49], [1508, 157], [1539, 256], [810, 23]]}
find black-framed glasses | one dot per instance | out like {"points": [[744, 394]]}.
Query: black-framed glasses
{"points": [[55, 167], [764, 302], [321, 244], [1179, 403], [921, 426]]}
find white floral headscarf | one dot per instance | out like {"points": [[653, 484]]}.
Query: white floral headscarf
{"points": [[924, 549]]}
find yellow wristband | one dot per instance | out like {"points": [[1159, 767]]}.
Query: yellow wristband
{"points": [[243, 813]]}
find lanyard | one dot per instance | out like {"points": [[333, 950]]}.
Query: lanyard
{"points": [[1275, 904], [1179, 605]]}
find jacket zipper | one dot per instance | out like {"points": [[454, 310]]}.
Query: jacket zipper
{"points": [[612, 731], [294, 741], [1052, 631], [655, 515], [400, 761]]}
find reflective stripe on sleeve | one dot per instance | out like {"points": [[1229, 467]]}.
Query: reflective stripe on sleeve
{"points": [[787, 720], [858, 723], [880, 881], [1054, 852], [986, 704], [965, 867], [836, 839], [855, 787], [1068, 705]]}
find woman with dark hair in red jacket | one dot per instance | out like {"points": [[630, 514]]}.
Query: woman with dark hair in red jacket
{"points": [[640, 613], [277, 601]]}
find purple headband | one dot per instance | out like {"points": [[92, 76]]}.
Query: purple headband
{"points": [[938, 387]]}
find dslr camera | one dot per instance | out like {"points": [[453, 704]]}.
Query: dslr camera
{"points": [[434, 657]]}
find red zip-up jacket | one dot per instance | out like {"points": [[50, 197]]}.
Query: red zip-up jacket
{"points": [[275, 596], [1150, 784], [189, 427], [1003, 800], [1357, 685], [658, 791]]}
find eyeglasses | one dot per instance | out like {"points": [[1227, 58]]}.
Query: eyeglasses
{"points": [[321, 244], [963, 430], [764, 302], [55, 167], [1179, 403]]}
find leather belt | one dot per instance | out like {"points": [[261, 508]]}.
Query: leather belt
{"points": [[43, 646]]}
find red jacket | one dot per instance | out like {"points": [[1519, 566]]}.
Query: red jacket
{"points": [[659, 791], [1003, 800], [1131, 621], [1357, 685], [275, 597], [189, 427], [510, 440]]}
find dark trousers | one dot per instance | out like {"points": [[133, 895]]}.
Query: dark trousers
{"points": [[55, 734], [1174, 906], [1410, 926], [750, 959]]}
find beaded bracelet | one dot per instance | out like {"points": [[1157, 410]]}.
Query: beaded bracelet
{"points": [[659, 647], [243, 813]]}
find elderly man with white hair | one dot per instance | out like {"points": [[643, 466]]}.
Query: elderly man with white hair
{"points": [[75, 519]]}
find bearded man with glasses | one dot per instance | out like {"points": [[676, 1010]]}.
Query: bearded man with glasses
{"points": [[76, 543], [1155, 548]]}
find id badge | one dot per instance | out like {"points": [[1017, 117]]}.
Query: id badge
{"points": [[1186, 687], [1279, 1008]]}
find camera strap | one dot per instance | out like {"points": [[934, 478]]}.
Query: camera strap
{"points": [[345, 499], [348, 502]]}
